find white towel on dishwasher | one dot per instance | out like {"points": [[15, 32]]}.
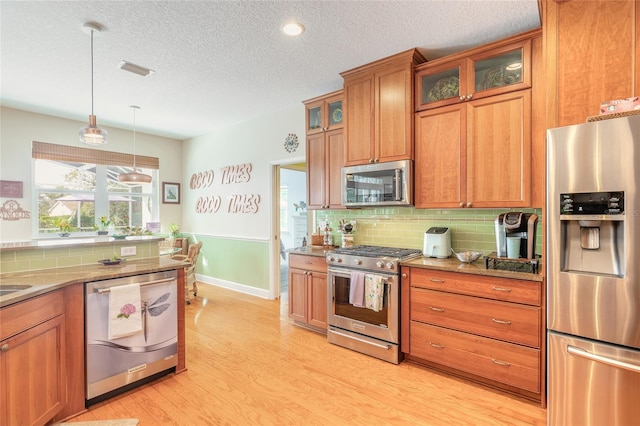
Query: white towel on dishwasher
{"points": [[373, 292], [125, 317]]}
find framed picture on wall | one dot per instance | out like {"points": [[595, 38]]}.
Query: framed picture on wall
{"points": [[170, 193]]}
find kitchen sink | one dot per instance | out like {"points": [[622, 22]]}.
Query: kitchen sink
{"points": [[8, 289]]}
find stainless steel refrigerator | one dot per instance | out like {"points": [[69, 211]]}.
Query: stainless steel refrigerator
{"points": [[593, 273]]}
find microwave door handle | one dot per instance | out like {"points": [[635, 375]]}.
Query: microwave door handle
{"points": [[398, 182]]}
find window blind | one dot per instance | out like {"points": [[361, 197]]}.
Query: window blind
{"points": [[50, 151]]}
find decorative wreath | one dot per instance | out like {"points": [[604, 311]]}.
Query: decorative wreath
{"points": [[291, 142]]}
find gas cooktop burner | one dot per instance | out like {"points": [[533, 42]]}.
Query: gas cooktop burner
{"points": [[376, 251]]}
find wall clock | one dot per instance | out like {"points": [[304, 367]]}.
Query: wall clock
{"points": [[291, 142]]}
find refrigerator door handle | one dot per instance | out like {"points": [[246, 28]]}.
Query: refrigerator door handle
{"points": [[574, 350]]}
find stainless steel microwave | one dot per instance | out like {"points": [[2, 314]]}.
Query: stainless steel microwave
{"points": [[378, 184]]}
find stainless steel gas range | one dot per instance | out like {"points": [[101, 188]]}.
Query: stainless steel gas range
{"points": [[364, 298]]}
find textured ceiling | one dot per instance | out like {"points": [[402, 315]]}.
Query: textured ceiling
{"points": [[219, 63]]}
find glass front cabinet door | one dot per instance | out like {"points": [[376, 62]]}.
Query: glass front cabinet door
{"points": [[494, 71], [441, 85], [500, 70], [324, 114]]}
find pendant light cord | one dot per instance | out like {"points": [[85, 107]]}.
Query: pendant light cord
{"points": [[134, 139], [92, 31]]}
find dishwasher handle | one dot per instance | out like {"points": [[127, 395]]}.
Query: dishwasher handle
{"points": [[165, 280], [574, 350]]}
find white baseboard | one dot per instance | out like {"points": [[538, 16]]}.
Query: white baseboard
{"points": [[241, 288]]}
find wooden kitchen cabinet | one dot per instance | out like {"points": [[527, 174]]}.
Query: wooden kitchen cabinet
{"points": [[33, 361], [475, 74], [482, 148], [483, 328], [592, 54], [325, 152], [308, 291], [475, 154], [378, 102], [324, 113]]}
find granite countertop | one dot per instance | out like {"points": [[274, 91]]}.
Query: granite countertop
{"points": [[319, 251], [452, 264], [46, 280]]}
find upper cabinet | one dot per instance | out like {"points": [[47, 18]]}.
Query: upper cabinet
{"points": [[378, 102], [497, 70], [323, 114], [476, 145], [325, 151], [592, 53]]}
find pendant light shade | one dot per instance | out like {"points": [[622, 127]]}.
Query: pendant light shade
{"points": [[134, 176], [92, 135]]}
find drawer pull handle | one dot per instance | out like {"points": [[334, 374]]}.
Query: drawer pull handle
{"points": [[503, 363], [435, 345], [436, 280], [500, 321], [433, 308], [506, 290]]}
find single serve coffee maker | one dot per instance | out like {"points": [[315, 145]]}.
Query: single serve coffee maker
{"points": [[516, 235]]}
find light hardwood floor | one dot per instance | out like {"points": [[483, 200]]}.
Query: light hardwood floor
{"points": [[249, 365]]}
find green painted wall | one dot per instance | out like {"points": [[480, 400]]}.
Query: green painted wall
{"points": [[238, 261], [471, 229]]}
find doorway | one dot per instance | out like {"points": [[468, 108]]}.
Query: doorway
{"points": [[293, 215], [289, 225]]}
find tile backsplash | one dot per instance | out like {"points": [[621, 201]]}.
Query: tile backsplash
{"points": [[471, 229], [58, 257]]}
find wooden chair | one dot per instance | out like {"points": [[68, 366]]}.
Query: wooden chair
{"points": [[190, 271]]}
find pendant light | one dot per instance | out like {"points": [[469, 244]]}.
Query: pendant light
{"points": [[92, 135], [134, 176]]}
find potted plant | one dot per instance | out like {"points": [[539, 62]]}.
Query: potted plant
{"points": [[103, 226], [64, 227], [174, 228]]}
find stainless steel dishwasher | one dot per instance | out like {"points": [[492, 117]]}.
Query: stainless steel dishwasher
{"points": [[117, 365]]}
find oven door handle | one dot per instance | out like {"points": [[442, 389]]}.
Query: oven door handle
{"points": [[377, 345]]}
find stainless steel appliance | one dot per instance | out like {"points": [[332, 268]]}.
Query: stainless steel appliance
{"points": [[437, 243], [378, 184], [116, 365], [359, 328], [518, 225], [593, 273]]}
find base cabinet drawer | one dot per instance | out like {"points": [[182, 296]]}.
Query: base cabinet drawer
{"points": [[506, 321], [495, 360], [508, 290]]}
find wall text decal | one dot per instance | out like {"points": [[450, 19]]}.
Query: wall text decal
{"points": [[235, 202], [11, 210]]}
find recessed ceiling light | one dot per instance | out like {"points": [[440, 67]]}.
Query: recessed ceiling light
{"points": [[293, 28], [136, 69]]}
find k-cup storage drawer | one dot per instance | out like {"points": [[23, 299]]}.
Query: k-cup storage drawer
{"points": [[509, 290], [499, 361], [500, 320], [309, 263]]}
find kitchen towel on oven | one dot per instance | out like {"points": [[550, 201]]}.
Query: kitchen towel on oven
{"points": [[356, 289], [125, 318], [373, 292]]}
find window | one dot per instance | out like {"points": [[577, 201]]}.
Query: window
{"points": [[77, 186]]}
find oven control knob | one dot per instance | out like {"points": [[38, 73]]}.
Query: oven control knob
{"points": [[339, 259], [358, 262], [330, 259], [380, 264], [389, 265]]}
